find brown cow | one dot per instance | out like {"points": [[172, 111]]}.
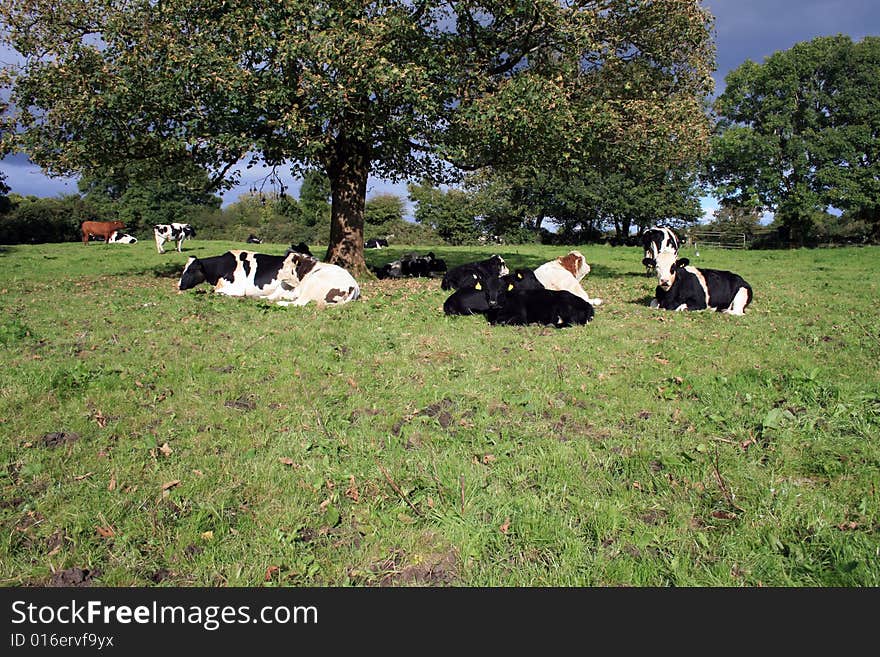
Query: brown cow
{"points": [[100, 229]]}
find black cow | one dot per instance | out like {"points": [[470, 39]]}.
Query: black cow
{"points": [[376, 243], [302, 248], [688, 288], [557, 308], [468, 273], [480, 296]]}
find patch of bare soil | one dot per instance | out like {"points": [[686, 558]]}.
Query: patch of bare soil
{"points": [[73, 577], [432, 569], [59, 438]]}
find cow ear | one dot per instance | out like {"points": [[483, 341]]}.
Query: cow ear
{"points": [[683, 262], [478, 286], [649, 262]]}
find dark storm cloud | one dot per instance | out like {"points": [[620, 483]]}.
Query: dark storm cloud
{"points": [[755, 29]]}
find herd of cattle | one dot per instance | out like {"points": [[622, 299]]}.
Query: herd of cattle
{"points": [[551, 295], [112, 233]]}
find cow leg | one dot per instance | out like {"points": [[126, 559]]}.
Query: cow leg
{"points": [[738, 305]]}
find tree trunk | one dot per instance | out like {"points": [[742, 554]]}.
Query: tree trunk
{"points": [[348, 170]]}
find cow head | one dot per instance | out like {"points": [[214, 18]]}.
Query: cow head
{"points": [[667, 266], [495, 288], [525, 279], [576, 263], [193, 274], [496, 261], [298, 265]]}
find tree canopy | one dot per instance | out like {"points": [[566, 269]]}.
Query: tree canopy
{"points": [[400, 89], [801, 133]]}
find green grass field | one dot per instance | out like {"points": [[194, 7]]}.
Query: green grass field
{"points": [[157, 438]]}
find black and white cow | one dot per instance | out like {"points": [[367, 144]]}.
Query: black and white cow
{"points": [[413, 265], [253, 239], [682, 287], [118, 237], [470, 272], [657, 240], [175, 232], [377, 243], [302, 248], [293, 279], [478, 297]]}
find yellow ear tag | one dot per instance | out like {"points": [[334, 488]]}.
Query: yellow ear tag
{"points": [[518, 275], [509, 287], [478, 287]]}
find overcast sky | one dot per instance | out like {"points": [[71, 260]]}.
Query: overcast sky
{"points": [[744, 29]]}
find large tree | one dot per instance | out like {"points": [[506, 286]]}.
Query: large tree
{"points": [[400, 89], [801, 132]]}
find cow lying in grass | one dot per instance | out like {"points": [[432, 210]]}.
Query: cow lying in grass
{"points": [[118, 237], [471, 272], [565, 273], [413, 265], [557, 308], [682, 287], [292, 279], [519, 299], [483, 293]]}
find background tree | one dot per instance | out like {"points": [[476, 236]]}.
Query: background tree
{"points": [[515, 203], [397, 89], [314, 199], [586, 205], [801, 132], [733, 219], [382, 213], [33, 220], [449, 213]]}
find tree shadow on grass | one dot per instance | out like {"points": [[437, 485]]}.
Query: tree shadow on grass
{"points": [[164, 270]]}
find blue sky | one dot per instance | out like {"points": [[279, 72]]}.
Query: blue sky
{"points": [[744, 29]]}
